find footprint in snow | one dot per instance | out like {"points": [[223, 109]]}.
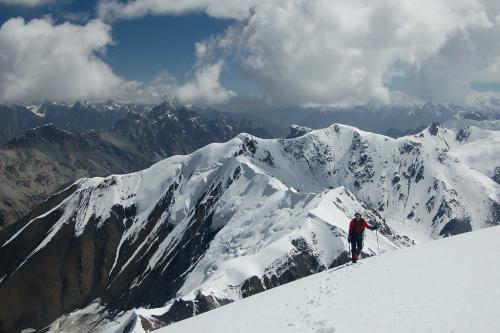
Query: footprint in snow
{"points": [[326, 329]]}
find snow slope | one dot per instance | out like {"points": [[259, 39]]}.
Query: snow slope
{"points": [[450, 285]]}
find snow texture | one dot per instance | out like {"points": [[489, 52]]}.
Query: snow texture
{"points": [[448, 285]]}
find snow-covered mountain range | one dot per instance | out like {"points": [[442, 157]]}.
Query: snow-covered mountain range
{"points": [[193, 232], [397, 121]]}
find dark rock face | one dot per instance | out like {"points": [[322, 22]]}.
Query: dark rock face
{"points": [[494, 216], [420, 174], [463, 134], [68, 273], [361, 165], [496, 175], [163, 282], [410, 147], [71, 271], [434, 129], [430, 203], [299, 263], [342, 259], [181, 309], [455, 227], [444, 210]]}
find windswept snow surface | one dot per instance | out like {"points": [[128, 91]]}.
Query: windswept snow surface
{"points": [[450, 285]]}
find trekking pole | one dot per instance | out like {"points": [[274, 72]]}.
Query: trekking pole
{"points": [[378, 246]]}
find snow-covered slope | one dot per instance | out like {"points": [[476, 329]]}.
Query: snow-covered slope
{"points": [[450, 285], [197, 231]]}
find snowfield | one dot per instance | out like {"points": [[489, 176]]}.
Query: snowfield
{"points": [[450, 285]]}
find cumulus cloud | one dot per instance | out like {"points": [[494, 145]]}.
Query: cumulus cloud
{"points": [[203, 88], [309, 52], [30, 3], [322, 52], [41, 60]]}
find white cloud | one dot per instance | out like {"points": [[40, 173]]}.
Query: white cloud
{"points": [[476, 98], [112, 9], [203, 88], [41, 60], [346, 52], [324, 52], [310, 52], [30, 3]]}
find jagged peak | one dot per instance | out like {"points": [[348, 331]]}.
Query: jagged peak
{"points": [[433, 129]]}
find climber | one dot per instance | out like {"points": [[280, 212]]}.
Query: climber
{"points": [[355, 237]]}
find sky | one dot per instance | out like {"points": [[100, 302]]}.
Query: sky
{"points": [[283, 52]]}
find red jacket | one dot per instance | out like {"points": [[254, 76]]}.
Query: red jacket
{"points": [[357, 227]]}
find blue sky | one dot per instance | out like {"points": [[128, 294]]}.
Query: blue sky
{"points": [[297, 52], [142, 47], [166, 42]]}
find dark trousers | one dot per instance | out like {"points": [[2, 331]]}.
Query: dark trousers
{"points": [[356, 247]]}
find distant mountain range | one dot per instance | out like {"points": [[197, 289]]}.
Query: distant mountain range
{"points": [[128, 138], [83, 116], [394, 121], [80, 116], [135, 252]]}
